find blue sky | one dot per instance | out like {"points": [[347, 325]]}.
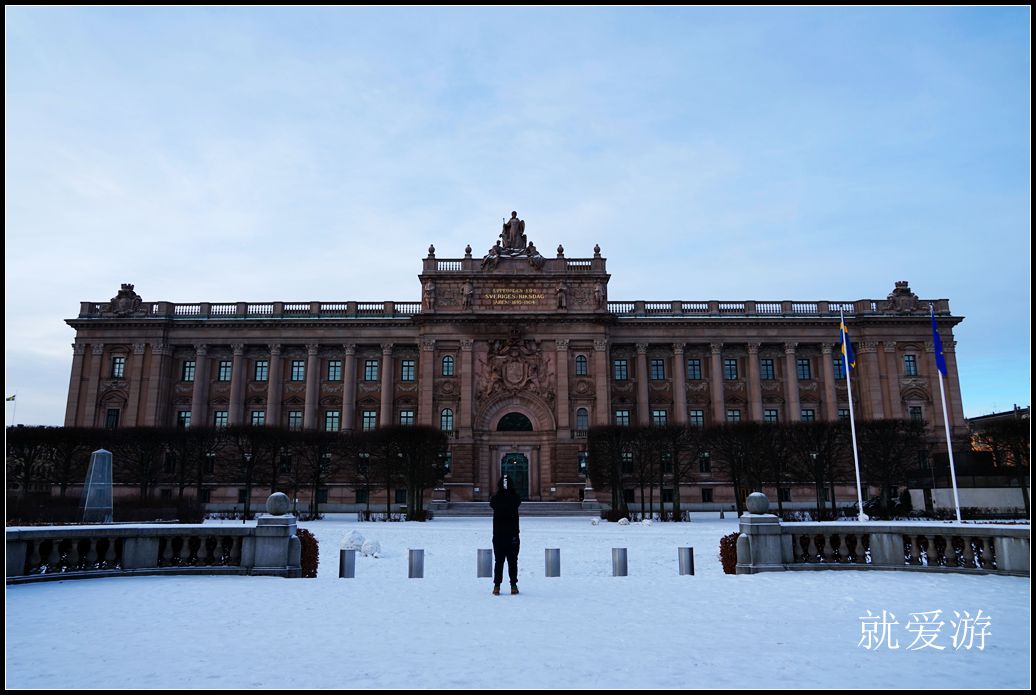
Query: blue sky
{"points": [[285, 154]]}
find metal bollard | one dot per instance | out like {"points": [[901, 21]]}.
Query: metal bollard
{"points": [[347, 564], [416, 564], [686, 561], [485, 563], [620, 566], [553, 561], [721, 514]]}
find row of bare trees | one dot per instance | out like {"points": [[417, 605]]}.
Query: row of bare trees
{"points": [[750, 455], [401, 457]]}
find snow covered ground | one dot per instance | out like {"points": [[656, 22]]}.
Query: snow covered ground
{"points": [[585, 629]]}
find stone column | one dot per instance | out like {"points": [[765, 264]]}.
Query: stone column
{"points": [[870, 383], [158, 384], [200, 394], [602, 403], [75, 384], [388, 383], [953, 396], [931, 373], [643, 399], [895, 398], [309, 418], [679, 385], [791, 383], [755, 387], [200, 397], [561, 355], [136, 377], [426, 386], [273, 387], [93, 384], [237, 385], [716, 384], [349, 388], [467, 369], [828, 370]]}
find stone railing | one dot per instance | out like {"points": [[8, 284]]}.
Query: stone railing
{"points": [[860, 307], [267, 547], [768, 545]]}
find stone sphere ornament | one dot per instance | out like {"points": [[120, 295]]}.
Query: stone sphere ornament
{"points": [[278, 504], [758, 503]]}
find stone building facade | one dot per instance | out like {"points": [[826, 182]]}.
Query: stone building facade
{"points": [[515, 355]]}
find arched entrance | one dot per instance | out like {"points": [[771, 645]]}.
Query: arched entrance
{"points": [[516, 433]]}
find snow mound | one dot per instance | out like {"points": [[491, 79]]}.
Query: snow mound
{"points": [[646, 522], [352, 541], [594, 522], [624, 521], [371, 549]]}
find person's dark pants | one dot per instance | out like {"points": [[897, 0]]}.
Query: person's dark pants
{"points": [[506, 548]]}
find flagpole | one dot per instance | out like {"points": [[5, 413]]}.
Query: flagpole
{"points": [[852, 415], [14, 410], [946, 422]]}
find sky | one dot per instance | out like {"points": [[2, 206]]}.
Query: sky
{"points": [[265, 154]]}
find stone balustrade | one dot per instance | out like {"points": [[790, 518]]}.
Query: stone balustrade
{"points": [[768, 545], [268, 546]]}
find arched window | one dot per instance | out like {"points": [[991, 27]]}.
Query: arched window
{"points": [[446, 420], [580, 365], [447, 365], [514, 422], [582, 419]]}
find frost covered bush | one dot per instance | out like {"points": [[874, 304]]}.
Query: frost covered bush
{"points": [[371, 549], [352, 541], [624, 521], [646, 522], [594, 522]]}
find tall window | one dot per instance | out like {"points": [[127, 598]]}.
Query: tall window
{"points": [[294, 419], [447, 366], [733, 415], [802, 369], [627, 462], [730, 370], [446, 420], [808, 415], [226, 368], [622, 418], [916, 413], [298, 370], [407, 372], [620, 371], [839, 367], [659, 418], [118, 367], [258, 418], [784, 494], [370, 370], [657, 370], [770, 415], [910, 365], [406, 417], [697, 418], [370, 420], [183, 419], [843, 413], [334, 370], [581, 365], [766, 371], [111, 420], [262, 370], [582, 419], [706, 494], [704, 462], [187, 373], [694, 369], [332, 421], [220, 419]]}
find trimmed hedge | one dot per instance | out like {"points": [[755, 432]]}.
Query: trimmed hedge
{"points": [[310, 553], [728, 552]]}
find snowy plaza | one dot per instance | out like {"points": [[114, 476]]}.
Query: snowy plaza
{"points": [[585, 629]]}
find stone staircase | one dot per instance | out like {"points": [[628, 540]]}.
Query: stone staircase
{"points": [[527, 509]]}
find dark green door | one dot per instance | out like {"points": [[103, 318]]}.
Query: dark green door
{"points": [[517, 466]]}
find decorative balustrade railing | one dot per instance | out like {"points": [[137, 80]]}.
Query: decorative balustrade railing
{"points": [[75, 552]]}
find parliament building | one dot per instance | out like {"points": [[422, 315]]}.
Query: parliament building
{"points": [[515, 355]]}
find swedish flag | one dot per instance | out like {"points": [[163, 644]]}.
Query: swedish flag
{"points": [[847, 347], [11, 398], [940, 360]]}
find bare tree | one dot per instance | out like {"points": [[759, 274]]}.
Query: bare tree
{"points": [[607, 445], [888, 452]]}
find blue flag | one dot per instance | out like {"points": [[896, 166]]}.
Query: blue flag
{"points": [[940, 360], [847, 347]]}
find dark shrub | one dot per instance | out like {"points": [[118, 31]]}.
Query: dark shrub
{"points": [[614, 515], [310, 553], [728, 552]]}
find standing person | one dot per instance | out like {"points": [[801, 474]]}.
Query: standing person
{"points": [[505, 533]]}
